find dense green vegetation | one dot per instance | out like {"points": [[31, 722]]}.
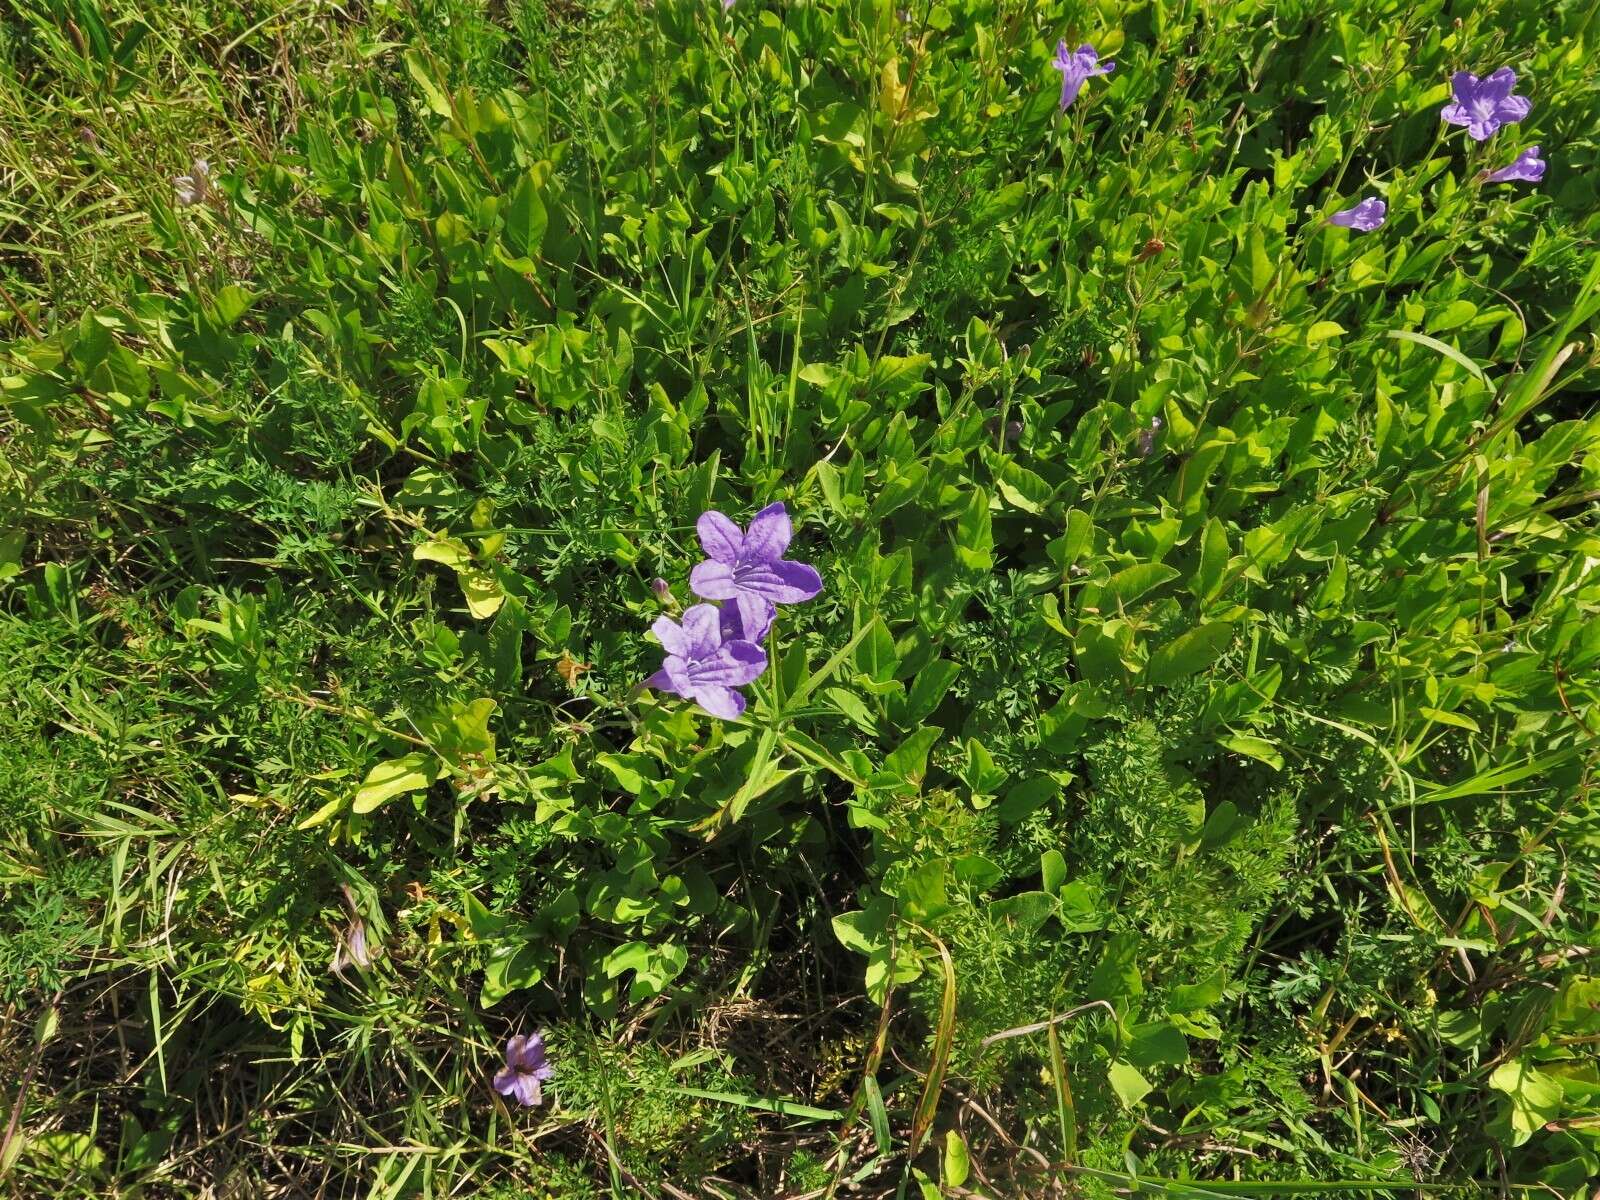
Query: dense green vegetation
{"points": [[1181, 784]]}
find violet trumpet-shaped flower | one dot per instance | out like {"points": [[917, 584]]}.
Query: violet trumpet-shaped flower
{"points": [[527, 1068], [1527, 166], [734, 629], [1364, 217], [1076, 67], [749, 568], [1483, 105], [704, 667]]}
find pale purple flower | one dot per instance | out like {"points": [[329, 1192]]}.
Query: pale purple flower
{"points": [[195, 187], [734, 629], [1364, 217], [701, 665], [1527, 166], [527, 1067], [726, 5], [350, 945], [1076, 67], [1483, 105], [749, 568]]}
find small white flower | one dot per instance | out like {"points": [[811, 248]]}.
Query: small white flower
{"points": [[195, 187]]}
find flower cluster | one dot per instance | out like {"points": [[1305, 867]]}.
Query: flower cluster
{"points": [[718, 648], [1483, 106]]}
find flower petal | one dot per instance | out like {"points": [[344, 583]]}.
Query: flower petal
{"points": [[768, 536], [505, 1081], [1496, 87], [747, 619], [532, 1054], [783, 582], [720, 537], [1482, 130], [713, 580], [720, 701], [514, 1049], [702, 630], [527, 1089], [1464, 87], [735, 665], [671, 635], [1456, 114], [1513, 108], [662, 681]]}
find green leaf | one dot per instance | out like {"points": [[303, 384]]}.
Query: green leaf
{"points": [[975, 533], [1535, 1096], [957, 1163], [1022, 488], [1128, 584], [909, 759], [451, 552], [1253, 747], [423, 78], [860, 931], [395, 777], [508, 969], [1157, 1044], [525, 218], [1188, 653], [1130, 1086], [1213, 567], [927, 690], [1053, 870]]}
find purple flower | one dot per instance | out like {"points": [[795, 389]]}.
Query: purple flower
{"points": [[733, 626], [526, 1068], [1483, 105], [1364, 217], [1076, 66], [701, 665], [749, 568], [1527, 166], [661, 588]]}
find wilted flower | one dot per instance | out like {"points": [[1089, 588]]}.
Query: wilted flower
{"points": [[195, 187], [749, 568], [704, 666], [1076, 66], [350, 945], [1147, 437], [1364, 217], [1527, 166], [661, 588], [1483, 105], [527, 1067]]}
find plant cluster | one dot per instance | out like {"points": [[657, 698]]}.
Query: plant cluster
{"points": [[1134, 729]]}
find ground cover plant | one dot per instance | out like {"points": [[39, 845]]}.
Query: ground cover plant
{"points": [[799, 599]]}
